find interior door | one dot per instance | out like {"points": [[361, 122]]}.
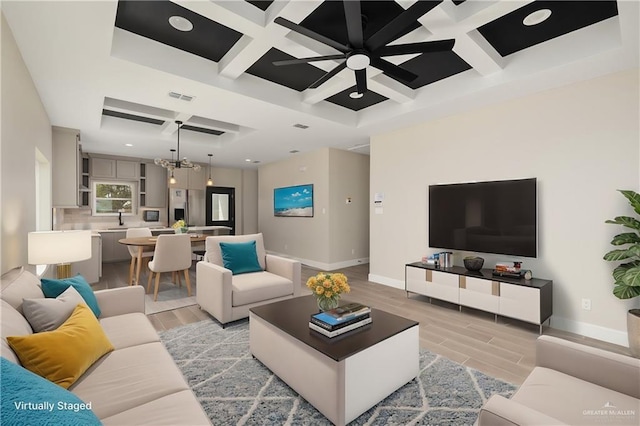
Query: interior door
{"points": [[221, 209]]}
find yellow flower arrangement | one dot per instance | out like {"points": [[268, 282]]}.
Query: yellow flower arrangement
{"points": [[181, 225], [327, 287]]}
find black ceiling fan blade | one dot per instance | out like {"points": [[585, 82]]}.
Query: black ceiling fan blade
{"points": [[353, 15], [394, 28], [307, 60], [361, 80], [423, 47], [393, 70], [328, 76], [311, 34]]}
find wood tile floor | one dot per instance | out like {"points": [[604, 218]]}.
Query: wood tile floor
{"points": [[505, 349]]}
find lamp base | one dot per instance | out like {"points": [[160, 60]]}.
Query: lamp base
{"points": [[63, 270]]}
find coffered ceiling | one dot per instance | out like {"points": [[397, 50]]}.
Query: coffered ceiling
{"points": [[121, 73]]}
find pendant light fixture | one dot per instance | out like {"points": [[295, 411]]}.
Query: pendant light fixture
{"points": [[178, 163], [210, 181]]}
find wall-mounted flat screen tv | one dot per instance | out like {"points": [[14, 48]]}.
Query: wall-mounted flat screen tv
{"points": [[293, 201], [488, 217]]}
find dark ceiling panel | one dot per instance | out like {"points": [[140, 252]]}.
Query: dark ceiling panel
{"points": [[370, 98], [328, 19], [431, 67], [150, 19], [508, 34], [262, 5], [201, 130], [297, 77], [132, 117], [458, 2]]}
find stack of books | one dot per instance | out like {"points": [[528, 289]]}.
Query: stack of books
{"points": [[340, 320]]}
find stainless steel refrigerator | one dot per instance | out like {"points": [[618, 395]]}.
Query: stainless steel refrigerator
{"points": [[187, 204]]}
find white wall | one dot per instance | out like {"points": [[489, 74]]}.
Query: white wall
{"points": [[26, 140], [581, 142], [338, 234]]}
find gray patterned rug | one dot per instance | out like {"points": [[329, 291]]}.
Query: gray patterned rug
{"points": [[236, 389]]}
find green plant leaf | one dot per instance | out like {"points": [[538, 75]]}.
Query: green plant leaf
{"points": [[622, 269], [622, 291], [631, 277], [626, 221], [634, 199], [626, 238], [615, 255]]}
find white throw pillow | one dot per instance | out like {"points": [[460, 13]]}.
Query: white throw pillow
{"points": [[48, 314]]}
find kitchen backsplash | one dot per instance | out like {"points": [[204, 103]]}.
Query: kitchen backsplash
{"points": [[82, 219]]}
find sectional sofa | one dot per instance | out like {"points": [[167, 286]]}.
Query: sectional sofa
{"points": [[136, 383]]}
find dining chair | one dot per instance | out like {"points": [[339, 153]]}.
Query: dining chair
{"points": [[172, 254], [133, 250]]}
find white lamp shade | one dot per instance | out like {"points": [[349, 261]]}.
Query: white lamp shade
{"points": [[55, 247]]}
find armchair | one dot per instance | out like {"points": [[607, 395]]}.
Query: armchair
{"points": [[229, 297]]}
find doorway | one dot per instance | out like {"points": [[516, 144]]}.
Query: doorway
{"points": [[220, 209]]}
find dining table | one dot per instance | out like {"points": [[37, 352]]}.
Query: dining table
{"points": [[150, 242]]}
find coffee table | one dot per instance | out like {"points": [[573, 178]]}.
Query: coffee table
{"points": [[344, 376]]}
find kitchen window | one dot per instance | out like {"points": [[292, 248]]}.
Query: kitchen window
{"points": [[111, 198]]}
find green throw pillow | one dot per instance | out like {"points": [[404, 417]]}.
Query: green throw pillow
{"points": [[240, 258], [54, 288]]}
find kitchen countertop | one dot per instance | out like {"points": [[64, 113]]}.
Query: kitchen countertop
{"points": [[164, 229]]}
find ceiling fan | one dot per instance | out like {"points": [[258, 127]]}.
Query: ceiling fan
{"points": [[358, 54]]}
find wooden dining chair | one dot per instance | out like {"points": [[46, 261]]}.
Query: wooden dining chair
{"points": [[172, 254], [133, 250]]}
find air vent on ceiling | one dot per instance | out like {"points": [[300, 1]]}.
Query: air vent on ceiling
{"points": [[301, 126], [132, 117], [176, 95], [294, 151], [202, 130]]}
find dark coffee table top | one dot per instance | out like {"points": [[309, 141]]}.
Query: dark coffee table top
{"points": [[292, 317]]}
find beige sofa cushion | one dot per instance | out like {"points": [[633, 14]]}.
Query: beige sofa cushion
{"points": [[574, 401], [259, 286], [12, 323], [129, 377], [174, 409], [18, 284], [129, 330], [214, 254]]}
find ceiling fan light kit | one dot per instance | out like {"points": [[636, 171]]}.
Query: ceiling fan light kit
{"points": [[360, 53]]}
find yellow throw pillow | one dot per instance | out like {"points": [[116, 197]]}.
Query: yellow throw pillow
{"points": [[62, 355]]}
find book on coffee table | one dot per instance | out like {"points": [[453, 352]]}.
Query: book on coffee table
{"points": [[333, 327], [342, 314], [353, 326]]}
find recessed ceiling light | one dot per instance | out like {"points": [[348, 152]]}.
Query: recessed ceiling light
{"points": [[180, 23], [536, 17], [356, 95], [248, 160], [128, 144]]}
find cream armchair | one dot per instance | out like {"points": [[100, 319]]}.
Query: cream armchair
{"points": [[229, 297]]}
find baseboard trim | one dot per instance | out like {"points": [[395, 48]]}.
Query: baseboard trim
{"points": [[386, 281], [610, 335]]}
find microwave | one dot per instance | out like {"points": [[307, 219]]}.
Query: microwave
{"points": [[151, 215]]}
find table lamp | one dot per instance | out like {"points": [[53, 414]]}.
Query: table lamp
{"points": [[59, 247]]}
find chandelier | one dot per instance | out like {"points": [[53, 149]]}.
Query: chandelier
{"points": [[177, 163]]}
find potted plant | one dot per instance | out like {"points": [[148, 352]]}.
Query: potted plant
{"points": [[627, 275]]}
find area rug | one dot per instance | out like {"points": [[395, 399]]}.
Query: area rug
{"points": [[236, 389], [170, 296]]}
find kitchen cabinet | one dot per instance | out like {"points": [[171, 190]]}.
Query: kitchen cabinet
{"points": [[109, 168], [65, 167], [153, 185], [189, 178], [91, 269], [112, 250]]}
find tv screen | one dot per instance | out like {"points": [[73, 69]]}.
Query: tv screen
{"points": [[489, 217], [293, 201]]}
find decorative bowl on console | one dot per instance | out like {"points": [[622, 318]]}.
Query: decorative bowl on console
{"points": [[473, 263]]}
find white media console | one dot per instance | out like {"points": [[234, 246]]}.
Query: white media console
{"points": [[525, 300]]}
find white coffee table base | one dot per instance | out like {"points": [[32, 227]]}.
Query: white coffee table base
{"points": [[342, 390]]}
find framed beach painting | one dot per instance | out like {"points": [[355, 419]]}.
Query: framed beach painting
{"points": [[293, 201]]}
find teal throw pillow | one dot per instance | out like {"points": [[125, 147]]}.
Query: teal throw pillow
{"points": [[28, 399], [240, 258], [54, 288]]}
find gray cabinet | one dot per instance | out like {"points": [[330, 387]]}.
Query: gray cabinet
{"points": [[109, 168], [153, 185], [90, 269], [189, 178], [112, 250], [127, 169], [65, 167]]}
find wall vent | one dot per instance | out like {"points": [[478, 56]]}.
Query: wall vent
{"points": [[301, 126], [176, 95]]}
